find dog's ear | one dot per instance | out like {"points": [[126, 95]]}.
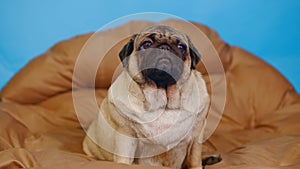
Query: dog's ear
{"points": [[126, 51], [195, 55]]}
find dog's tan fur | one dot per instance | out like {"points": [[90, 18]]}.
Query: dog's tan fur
{"points": [[137, 117]]}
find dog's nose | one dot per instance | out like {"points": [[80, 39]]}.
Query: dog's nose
{"points": [[164, 47]]}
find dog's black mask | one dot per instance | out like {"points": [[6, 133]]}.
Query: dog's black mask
{"points": [[160, 66]]}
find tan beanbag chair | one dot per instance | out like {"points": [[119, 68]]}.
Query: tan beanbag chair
{"points": [[39, 127]]}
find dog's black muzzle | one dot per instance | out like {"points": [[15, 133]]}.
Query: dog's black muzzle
{"points": [[160, 65]]}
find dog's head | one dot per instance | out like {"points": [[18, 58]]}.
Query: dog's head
{"points": [[159, 55]]}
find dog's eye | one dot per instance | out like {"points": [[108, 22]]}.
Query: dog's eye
{"points": [[181, 47], [147, 44]]}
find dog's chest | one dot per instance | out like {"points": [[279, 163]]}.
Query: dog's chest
{"points": [[167, 130], [165, 121]]}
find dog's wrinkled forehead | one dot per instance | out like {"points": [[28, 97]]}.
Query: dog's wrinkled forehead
{"points": [[161, 32]]}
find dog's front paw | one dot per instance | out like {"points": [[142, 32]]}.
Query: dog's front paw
{"points": [[123, 160]]}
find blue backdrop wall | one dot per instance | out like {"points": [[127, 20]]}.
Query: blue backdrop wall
{"points": [[269, 29]]}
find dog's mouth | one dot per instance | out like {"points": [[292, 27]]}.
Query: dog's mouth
{"points": [[162, 67], [161, 78]]}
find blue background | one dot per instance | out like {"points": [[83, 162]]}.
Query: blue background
{"points": [[268, 28]]}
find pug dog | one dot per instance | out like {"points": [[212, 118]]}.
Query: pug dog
{"points": [[156, 109]]}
